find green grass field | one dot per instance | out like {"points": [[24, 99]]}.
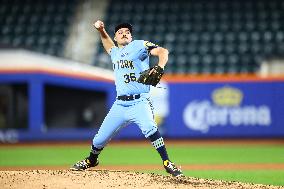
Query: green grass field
{"points": [[146, 155]]}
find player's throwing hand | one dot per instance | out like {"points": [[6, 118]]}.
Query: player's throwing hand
{"points": [[99, 25]]}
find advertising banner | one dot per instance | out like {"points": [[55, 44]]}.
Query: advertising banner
{"points": [[251, 109]]}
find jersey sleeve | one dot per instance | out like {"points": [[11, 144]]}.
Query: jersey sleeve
{"points": [[149, 46], [113, 50]]}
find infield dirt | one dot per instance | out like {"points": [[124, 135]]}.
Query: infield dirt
{"points": [[60, 179]]}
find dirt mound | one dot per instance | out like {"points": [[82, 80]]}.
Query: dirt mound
{"points": [[47, 179]]}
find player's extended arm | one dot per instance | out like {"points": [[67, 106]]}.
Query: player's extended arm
{"points": [[106, 40], [162, 54]]}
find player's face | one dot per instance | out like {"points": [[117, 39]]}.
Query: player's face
{"points": [[123, 36]]}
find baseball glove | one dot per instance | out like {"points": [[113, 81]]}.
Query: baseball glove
{"points": [[152, 76]]}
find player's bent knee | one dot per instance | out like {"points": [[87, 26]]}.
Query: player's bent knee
{"points": [[150, 132]]}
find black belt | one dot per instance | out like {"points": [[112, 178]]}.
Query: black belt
{"points": [[128, 97]]}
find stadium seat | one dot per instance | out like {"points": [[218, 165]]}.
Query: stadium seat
{"points": [[206, 36], [36, 25]]}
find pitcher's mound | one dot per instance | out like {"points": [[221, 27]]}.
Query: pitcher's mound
{"points": [[53, 179]]}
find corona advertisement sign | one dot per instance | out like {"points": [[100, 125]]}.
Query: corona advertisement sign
{"points": [[225, 109]]}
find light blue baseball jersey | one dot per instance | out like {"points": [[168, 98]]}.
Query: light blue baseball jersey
{"points": [[128, 62]]}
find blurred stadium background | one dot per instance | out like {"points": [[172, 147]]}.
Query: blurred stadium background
{"points": [[224, 78]]}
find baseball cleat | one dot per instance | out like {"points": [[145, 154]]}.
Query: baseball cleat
{"points": [[83, 165], [172, 169]]}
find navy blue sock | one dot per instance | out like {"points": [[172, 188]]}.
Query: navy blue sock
{"points": [[158, 142], [94, 154]]}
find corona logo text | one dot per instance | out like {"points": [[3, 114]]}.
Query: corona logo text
{"points": [[225, 111]]}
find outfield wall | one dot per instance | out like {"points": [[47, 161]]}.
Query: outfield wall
{"points": [[185, 107], [195, 109]]}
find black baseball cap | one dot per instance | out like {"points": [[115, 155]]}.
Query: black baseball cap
{"points": [[123, 25]]}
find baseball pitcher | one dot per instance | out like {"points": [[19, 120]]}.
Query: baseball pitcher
{"points": [[133, 77]]}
